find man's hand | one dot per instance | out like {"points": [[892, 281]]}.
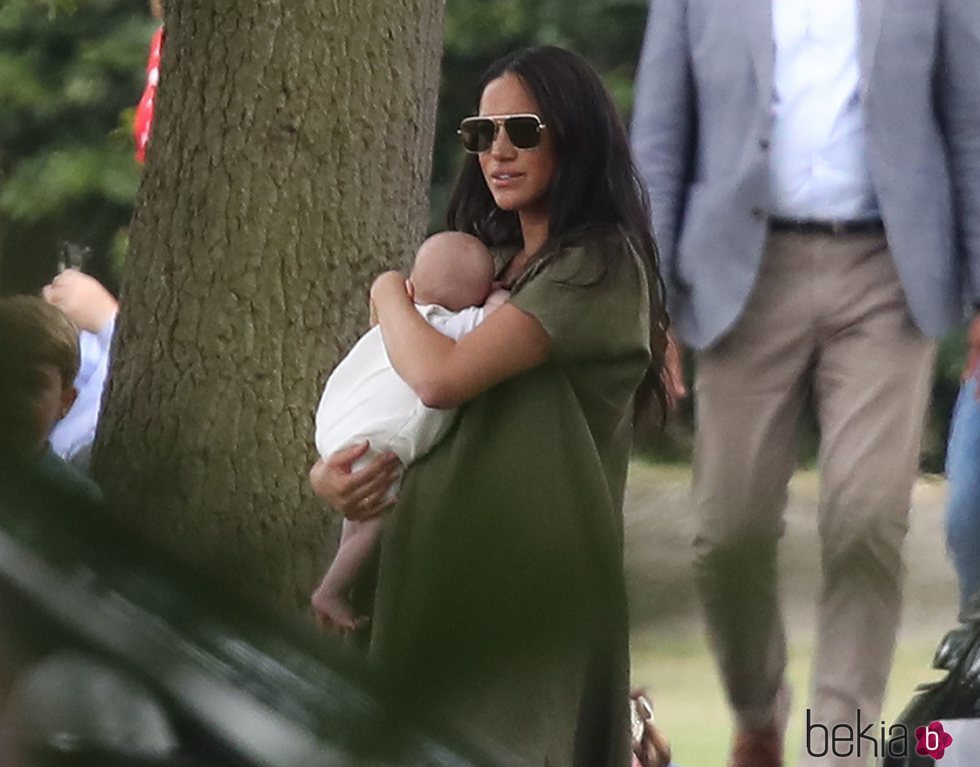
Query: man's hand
{"points": [[82, 298], [673, 375]]}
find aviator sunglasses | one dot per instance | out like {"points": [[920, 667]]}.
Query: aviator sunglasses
{"points": [[478, 133]]}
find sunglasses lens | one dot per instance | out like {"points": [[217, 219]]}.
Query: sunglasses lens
{"points": [[476, 134], [524, 132]]}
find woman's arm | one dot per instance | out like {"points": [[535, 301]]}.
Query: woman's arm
{"points": [[446, 373]]}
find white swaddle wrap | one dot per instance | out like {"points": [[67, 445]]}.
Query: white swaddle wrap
{"points": [[365, 399]]}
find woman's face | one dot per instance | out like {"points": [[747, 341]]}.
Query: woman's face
{"points": [[519, 179]]}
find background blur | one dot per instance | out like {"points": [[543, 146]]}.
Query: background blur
{"points": [[72, 71]]}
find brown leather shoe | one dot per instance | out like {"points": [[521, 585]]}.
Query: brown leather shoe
{"points": [[758, 748]]}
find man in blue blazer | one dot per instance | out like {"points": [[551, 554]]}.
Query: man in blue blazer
{"points": [[814, 173]]}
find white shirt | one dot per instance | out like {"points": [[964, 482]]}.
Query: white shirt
{"points": [[819, 163], [365, 399], [74, 434]]}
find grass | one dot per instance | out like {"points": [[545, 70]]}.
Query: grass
{"points": [[679, 674], [670, 655]]}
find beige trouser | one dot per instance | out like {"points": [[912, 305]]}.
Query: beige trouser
{"points": [[826, 322]]}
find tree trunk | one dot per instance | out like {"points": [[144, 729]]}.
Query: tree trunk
{"points": [[289, 164]]}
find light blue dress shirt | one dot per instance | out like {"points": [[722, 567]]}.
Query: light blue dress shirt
{"points": [[74, 434], [819, 164]]}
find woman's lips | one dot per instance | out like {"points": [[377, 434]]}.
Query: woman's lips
{"points": [[503, 179]]}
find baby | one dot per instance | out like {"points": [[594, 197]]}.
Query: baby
{"points": [[366, 400]]}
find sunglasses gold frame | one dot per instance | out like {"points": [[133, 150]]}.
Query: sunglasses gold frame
{"points": [[500, 122]]}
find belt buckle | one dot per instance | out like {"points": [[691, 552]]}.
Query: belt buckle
{"points": [[839, 227]]}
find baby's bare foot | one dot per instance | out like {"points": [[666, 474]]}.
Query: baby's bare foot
{"points": [[333, 613]]}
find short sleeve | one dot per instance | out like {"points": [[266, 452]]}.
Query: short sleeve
{"points": [[593, 302]]}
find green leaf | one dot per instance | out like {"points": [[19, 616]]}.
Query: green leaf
{"points": [[41, 186]]}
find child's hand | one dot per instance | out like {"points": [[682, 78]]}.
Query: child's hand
{"points": [[82, 298], [650, 746]]}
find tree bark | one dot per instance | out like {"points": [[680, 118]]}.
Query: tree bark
{"points": [[289, 164]]}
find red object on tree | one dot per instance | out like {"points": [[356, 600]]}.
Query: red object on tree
{"points": [[144, 112]]}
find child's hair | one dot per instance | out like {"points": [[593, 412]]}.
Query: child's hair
{"points": [[452, 269], [32, 332]]}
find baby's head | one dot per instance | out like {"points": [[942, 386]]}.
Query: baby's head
{"points": [[452, 269]]}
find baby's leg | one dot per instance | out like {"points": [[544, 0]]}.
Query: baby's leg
{"points": [[329, 601]]}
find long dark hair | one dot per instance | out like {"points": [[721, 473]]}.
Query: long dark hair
{"points": [[596, 189]]}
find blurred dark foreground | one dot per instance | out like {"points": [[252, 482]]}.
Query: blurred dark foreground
{"points": [[949, 707], [112, 654]]}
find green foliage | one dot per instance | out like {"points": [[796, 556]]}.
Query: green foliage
{"points": [[950, 359], [70, 73], [53, 7], [42, 187], [72, 70]]}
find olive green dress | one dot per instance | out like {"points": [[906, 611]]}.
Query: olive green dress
{"points": [[501, 599]]}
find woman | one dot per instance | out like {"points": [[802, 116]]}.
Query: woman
{"points": [[500, 599]]}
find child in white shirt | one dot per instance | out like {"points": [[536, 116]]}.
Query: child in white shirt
{"points": [[366, 400]]}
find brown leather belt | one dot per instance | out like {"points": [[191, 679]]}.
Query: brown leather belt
{"points": [[837, 228]]}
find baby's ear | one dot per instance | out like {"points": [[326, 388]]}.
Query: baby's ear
{"points": [[410, 289]]}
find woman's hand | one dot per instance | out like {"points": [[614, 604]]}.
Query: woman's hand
{"points": [[388, 284], [355, 494]]}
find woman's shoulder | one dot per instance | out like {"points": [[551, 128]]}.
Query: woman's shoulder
{"points": [[591, 298], [604, 257]]}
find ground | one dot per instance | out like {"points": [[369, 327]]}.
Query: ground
{"points": [[670, 656]]}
